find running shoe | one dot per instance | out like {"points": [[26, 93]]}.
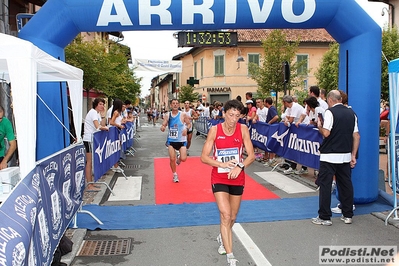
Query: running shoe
{"points": [[175, 178], [301, 171], [288, 171], [338, 208], [178, 159], [221, 249], [319, 221], [346, 220], [232, 262]]}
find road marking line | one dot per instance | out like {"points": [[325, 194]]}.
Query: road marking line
{"points": [[284, 183], [250, 246]]}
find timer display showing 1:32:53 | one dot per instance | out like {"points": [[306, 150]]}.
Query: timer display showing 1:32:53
{"points": [[207, 38]]}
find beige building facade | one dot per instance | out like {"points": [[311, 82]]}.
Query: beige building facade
{"points": [[222, 78]]}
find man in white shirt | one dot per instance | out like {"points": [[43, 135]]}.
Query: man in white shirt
{"points": [[261, 111], [206, 110], [199, 105], [315, 92], [294, 112]]}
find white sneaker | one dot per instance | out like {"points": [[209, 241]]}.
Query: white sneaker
{"points": [[338, 208], [178, 159], [319, 221], [232, 262], [221, 249], [175, 178], [346, 220], [288, 171], [301, 171]]}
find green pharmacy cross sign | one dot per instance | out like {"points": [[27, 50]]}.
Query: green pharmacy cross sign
{"points": [[191, 81]]}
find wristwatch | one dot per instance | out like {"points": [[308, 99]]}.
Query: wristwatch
{"points": [[241, 165]]}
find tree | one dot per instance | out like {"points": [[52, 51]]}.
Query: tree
{"points": [[390, 50], [327, 73], [105, 68], [187, 94], [269, 75]]}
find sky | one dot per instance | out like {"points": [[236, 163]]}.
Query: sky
{"points": [[161, 45]]}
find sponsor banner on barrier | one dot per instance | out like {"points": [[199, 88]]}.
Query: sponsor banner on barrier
{"points": [[300, 144], [106, 151], [109, 146], [39, 209]]}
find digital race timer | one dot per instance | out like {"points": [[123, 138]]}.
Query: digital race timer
{"points": [[207, 38]]}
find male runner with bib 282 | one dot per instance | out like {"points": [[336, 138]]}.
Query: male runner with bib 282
{"points": [[178, 123]]}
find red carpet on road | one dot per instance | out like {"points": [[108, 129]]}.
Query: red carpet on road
{"points": [[195, 184]]}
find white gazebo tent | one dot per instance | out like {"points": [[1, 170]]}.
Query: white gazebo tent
{"points": [[24, 65]]}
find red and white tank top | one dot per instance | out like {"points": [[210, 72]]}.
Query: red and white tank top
{"points": [[226, 148]]}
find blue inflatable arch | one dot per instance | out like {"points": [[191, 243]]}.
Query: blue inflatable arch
{"points": [[59, 21]]}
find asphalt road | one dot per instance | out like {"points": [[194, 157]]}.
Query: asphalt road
{"points": [[278, 243]]}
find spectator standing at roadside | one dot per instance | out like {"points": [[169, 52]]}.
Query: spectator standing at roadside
{"points": [[117, 120], [313, 110], [337, 157], [228, 177], [216, 110], [315, 92], [91, 125], [200, 107], [261, 114], [271, 118], [323, 94], [293, 115], [261, 111], [192, 115], [251, 110], [207, 113], [6, 132]]}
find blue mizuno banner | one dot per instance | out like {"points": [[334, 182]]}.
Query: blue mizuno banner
{"points": [[300, 144], [106, 151], [39, 209], [109, 147]]}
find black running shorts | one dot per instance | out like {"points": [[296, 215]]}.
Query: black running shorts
{"points": [[176, 145], [232, 190], [88, 146]]}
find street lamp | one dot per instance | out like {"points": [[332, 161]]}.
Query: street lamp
{"points": [[390, 20]]}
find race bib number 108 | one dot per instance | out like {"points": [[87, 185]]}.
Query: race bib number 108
{"points": [[225, 155]]}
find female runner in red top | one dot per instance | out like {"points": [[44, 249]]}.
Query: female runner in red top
{"points": [[227, 141]]}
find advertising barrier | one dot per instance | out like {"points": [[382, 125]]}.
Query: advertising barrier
{"points": [[109, 147], [38, 211], [300, 144]]}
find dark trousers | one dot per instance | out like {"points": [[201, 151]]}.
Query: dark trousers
{"points": [[342, 174]]}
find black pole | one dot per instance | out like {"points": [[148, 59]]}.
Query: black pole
{"points": [[285, 88]]}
